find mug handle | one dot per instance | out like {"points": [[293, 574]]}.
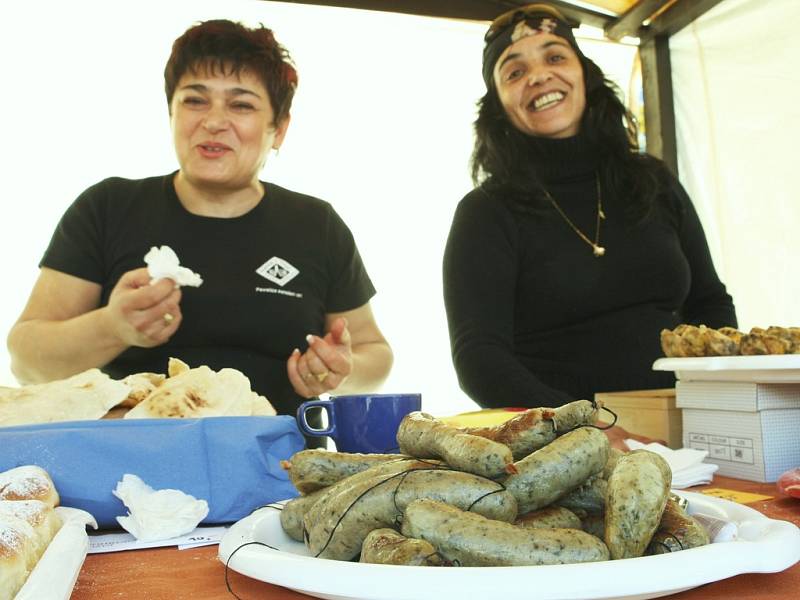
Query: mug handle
{"points": [[325, 405]]}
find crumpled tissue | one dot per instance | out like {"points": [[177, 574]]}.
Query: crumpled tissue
{"points": [[687, 464], [163, 262], [157, 514]]}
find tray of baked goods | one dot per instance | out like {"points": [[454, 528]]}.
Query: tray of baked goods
{"points": [[197, 430], [701, 353], [42, 544]]}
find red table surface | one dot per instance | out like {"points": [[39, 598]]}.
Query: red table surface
{"points": [[172, 574]]}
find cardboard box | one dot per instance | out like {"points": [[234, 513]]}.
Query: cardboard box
{"points": [[751, 430], [651, 413]]}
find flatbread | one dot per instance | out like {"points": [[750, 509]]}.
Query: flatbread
{"points": [[201, 392], [87, 395], [260, 406], [142, 385], [176, 366]]}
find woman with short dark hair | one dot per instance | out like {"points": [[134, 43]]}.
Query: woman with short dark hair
{"points": [[281, 270]]}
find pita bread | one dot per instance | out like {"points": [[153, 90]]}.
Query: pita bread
{"points": [[87, 395], [176, 366], [201, 392], [142, 385], [260, 406]]}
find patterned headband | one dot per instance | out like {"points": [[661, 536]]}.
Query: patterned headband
{"points": [[509, 28]]}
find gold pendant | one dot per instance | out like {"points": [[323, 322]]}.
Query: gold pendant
{"points": [[598, 250]]}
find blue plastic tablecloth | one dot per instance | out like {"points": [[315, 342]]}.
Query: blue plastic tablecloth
{"points": [[231, 462]]}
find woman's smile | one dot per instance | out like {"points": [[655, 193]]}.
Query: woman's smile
{"points": [[213, 150], [545, 101]]}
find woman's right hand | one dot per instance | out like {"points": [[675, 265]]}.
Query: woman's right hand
{"points": [[144, 315]]}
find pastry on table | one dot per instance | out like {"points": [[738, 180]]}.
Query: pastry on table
{"points": [[27, 524], [689, 340], [28, 483], [759, 341]]}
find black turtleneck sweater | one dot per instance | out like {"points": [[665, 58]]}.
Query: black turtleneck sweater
{"points": [[536, 319]]}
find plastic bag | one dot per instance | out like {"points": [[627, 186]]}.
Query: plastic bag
{"points": [[231, 462], [789, 483]]}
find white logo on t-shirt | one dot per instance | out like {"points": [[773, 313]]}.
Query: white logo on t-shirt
{"points": [[277, 271]]}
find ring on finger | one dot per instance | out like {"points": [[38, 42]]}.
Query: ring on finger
{"points": [[322, 376], [168, 318]]}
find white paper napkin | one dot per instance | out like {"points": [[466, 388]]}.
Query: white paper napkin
{"points": [[687, 464], [163, 262], [157, 514]]}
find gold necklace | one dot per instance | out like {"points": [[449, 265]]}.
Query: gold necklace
{"points": [[597, 249]]}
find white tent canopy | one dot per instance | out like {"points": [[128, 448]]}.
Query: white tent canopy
{"points": [[736, 86], [382, 129]]}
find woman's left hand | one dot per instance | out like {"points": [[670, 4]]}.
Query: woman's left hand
{"points": [[325, 365]]}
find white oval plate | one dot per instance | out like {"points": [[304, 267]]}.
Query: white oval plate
{"points": [[764, 546]]}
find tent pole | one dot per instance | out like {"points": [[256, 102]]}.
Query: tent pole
{"points": [[659, 110]]}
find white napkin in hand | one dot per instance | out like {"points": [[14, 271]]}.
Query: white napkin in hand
{"points": [[687, 464], [163, 262], [157, 515]]}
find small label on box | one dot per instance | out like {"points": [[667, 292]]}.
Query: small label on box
{"points": [[724, 448], [742, 455], [720, 452]]}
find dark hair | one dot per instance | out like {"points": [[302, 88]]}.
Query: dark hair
{"points": [[229, 48], [501, 154]]}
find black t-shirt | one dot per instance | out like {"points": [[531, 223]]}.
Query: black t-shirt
{"points": [[269, 276]]}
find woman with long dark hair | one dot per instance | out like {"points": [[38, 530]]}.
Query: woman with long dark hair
{"points": [[574, 250]]}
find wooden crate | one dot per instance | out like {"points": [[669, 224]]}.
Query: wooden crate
{"points": [[651, 413]]}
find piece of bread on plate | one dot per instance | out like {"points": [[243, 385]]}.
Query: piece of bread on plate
{"points": [[201, 392]]}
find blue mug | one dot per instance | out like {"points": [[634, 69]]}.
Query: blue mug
{"points": [[365, 423]]}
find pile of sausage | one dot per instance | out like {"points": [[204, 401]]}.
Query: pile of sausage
{"points": [[543, 488]]}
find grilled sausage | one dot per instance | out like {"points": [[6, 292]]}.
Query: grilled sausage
{"points": [[311, 470], [423, 436], [575, 414], [387, 547], [677, 531], [594, 524], [589, 497], [637, 494], [555, 470], [524, 433], [340, 520], [472, 540], [613, 456], [293, 512], [537, 427], [550, 517]]}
